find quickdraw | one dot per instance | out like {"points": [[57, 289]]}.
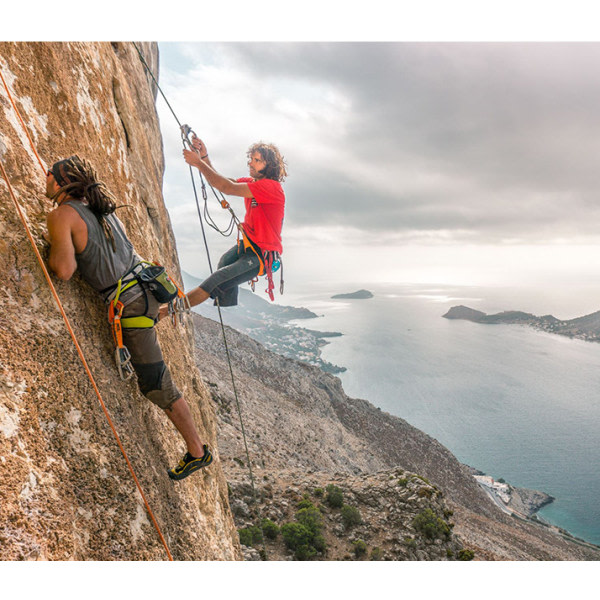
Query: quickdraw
{"points": [[115, 314], [122, 356], [179, 306]]}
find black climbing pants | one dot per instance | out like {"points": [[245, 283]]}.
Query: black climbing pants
{"points": [[235, 266]]}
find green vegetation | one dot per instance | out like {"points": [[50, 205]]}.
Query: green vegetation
{"points": [[465, 554], [350, 516], [359, 547], [304, 535], [403, 481], [298, 538], [376, 553], [306, 502], [422, 479], [425, 492], [334, 496], [249, 536], [431, 526], [318, 492], [270, 529]]}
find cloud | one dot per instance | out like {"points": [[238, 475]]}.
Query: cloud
{"points": [[492, 142]]}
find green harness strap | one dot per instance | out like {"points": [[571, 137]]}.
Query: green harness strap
{"points": [[140, 322], [137, 322]]}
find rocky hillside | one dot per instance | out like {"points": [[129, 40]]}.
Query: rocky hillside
{"points": [[65, 491], [304, 434]]}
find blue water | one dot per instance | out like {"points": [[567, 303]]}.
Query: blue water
{"points": [[508, 400]]}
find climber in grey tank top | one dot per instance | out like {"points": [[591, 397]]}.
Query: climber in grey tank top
{"points": [[98, 264], [84, 234]]}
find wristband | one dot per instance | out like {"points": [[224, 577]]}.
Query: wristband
{"points": [[205, 156]]}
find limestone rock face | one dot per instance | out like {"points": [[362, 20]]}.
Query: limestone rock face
{"points": [[65, 490]]}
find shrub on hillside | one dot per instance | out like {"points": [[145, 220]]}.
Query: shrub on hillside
{"points": [[299, 539], [425, 492], [312, 519], [465, 554], [334, 496], [304, 535], [350, 516], [306, 502], [270, 529], [249, 536], [359, 547], [431, 526]]}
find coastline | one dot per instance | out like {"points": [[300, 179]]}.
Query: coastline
{"points": [[283, 334], [522, 503], [586, 328]]}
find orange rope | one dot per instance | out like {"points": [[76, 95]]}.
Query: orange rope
{"points": [[70, 329]]}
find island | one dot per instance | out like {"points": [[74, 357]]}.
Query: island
{"points": [[359, 295], [584, 328]]}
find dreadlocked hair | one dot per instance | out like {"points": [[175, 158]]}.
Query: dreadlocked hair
{"points": [[276, 165], [78, 180]]}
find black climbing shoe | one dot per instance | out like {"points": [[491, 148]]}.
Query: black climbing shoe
{"points": [[188, 464]]}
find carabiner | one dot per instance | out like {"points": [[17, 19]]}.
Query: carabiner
{"points": [[185, 132]]}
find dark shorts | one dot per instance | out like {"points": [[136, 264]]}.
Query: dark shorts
{"points": [[236, 266], [154, 377]]}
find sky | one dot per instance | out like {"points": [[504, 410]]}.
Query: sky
{"points": [[438, 162]]}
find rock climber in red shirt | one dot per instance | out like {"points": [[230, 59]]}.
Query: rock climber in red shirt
{"points": [[264, 201]]}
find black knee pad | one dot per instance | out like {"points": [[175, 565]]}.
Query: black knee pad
{"points": [[154, 381]]}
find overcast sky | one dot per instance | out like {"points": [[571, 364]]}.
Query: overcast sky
{"points": [[433, 161]]}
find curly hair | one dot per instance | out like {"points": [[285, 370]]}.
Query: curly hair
{"points": [[77, 179], [276, 165]]}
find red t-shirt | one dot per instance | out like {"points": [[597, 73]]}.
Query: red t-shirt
{"points": [[264, 213]]}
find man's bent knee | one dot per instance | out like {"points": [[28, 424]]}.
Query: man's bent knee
{"points": [[155, 382]]}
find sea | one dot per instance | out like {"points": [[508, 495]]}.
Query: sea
{"points": [[513, 402]]}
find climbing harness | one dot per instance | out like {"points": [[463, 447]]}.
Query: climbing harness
{"points": [[154, 277], [86, 367]]}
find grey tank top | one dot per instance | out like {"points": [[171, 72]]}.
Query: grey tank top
{"points": [[98, 264]]}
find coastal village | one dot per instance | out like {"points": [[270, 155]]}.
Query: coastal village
{"points": [[501, 490]]}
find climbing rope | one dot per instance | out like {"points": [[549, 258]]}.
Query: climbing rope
{"points": [[233, 221], [68, 324], [227, 353]]}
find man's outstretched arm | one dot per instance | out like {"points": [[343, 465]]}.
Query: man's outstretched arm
{"points": [[216, 180]]}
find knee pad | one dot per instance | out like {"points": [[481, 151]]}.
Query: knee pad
{"points": [[155, 382]]}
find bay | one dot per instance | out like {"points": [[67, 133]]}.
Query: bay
{"points": [[513, 402]]}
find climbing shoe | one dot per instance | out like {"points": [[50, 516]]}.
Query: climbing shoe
{"points": [[188, 464]]}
